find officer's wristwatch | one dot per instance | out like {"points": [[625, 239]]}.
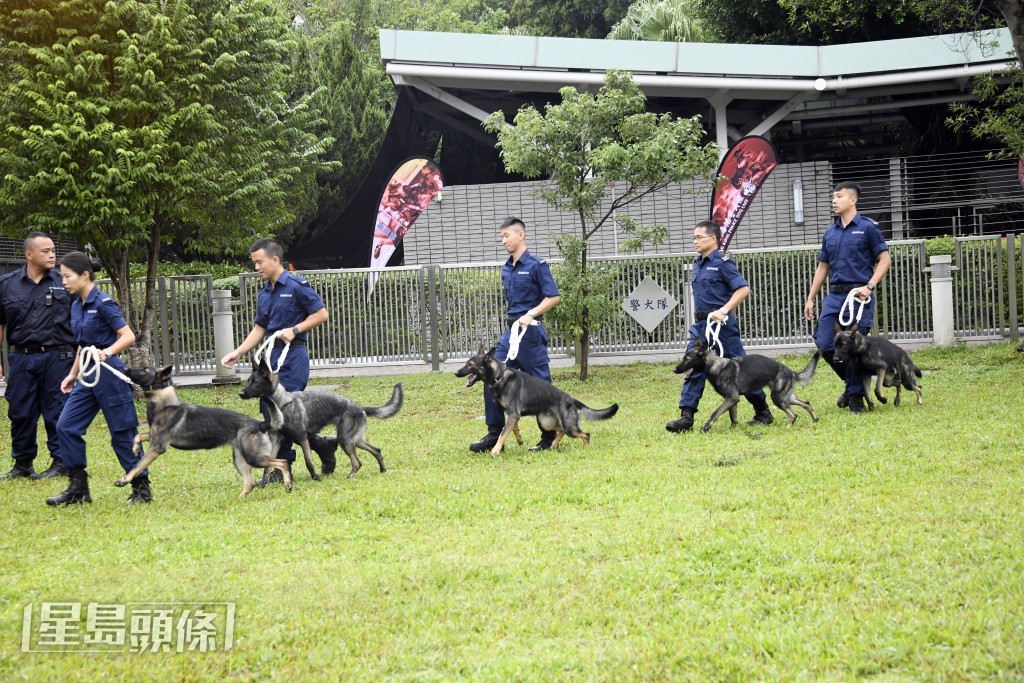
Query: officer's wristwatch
{"points": [[871, 287], [295, 331]]}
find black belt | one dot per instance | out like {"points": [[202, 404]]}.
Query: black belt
{"points": [[510, 321], [840, 288], [702, 315], [295, 342], [41, 349]]}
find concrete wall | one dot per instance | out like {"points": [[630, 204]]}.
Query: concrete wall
{"points": [[463, 226]]}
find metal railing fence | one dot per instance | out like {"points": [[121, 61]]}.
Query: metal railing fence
{"points": [[437, 313]]}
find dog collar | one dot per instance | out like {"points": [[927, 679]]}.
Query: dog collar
{"points": [[162, 385]]}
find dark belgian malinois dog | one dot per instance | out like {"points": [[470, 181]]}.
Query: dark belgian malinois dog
{"points": [[877, 357], [734, 377], [300, 414], [520, 394], [191, 427]]}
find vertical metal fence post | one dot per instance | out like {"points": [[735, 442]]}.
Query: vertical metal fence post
{"points": [[434, 330], [223, 335], [165, 327], [1011, 279]]}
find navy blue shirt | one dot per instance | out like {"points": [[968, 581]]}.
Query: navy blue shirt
{"points": [[851, 252], [715, 279], [287, 303], [96, 321], [527, 283], [35, 314]]}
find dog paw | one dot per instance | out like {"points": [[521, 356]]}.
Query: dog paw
{"points": [[121, 482], [706, 428], [315, 476], [883, 399]]}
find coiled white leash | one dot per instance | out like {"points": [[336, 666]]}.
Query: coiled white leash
{"points": [[851, 305], [515, 336], [89, 364], [268, 345], [714, 329]]}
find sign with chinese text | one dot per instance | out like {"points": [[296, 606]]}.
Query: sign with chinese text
{"points": [[649, 303]]}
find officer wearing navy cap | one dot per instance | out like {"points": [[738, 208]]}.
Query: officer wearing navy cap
{"points": [[853, 257], [286, 303], [530, 291], [718, 288], [35, 312]]}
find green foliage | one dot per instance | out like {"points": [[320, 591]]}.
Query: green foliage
{"points": [[568, 18], [123, 121], [588, 141], [998, 112], [940, 245], [584, 291], [673, 21]]}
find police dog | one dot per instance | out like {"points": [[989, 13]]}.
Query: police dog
{"points": [[520, 394], [734, 377], [874, 356], [191, 427], [300, 414]]}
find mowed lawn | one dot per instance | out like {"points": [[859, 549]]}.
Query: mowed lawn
{"points": [[887, 544]]}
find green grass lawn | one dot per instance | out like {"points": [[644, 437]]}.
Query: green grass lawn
{"points": [[887, 544]]}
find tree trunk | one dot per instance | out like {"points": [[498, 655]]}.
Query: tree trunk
{"points": [[585, 317], [1013, 14]]}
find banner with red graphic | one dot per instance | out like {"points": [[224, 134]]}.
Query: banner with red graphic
{"points": [[741, 174], [412, 187]]}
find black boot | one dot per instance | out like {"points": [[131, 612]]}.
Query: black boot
{"points": [[488, 442], [325, 446], [21, 470], [140, 491], [546, 440], [272, 475], [843, 401], [76, 492], [762, 413], [56, 469], [856, 404], [684, 423]]}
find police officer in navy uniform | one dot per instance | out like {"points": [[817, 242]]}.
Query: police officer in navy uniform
{"points": [[35, 311], [718, 288], [530, 291], [286, 303], [854, 257], [96, 322]]}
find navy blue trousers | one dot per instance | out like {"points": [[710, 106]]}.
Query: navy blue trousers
{"points": [[33, 390]]}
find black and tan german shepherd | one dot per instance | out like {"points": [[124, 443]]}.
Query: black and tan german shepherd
{"points": [[876, 357], [520, 395], [302, 413], [734, 377], [191, 427]]}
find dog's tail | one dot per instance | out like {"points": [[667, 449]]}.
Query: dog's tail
{"points": [[805, 375], [591, 414], [389, 409]]}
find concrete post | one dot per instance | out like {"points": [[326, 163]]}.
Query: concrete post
{"points": [[942, 298], [223, 335]]}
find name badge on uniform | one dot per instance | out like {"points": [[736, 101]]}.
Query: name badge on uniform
{"points": [[286, 296], [522, 272], [714, 268]]}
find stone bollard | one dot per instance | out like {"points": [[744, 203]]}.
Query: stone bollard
{"points": [[942, 298], [223, 336]]}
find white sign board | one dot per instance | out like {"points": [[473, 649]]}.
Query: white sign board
{"points": [[649, 303]]}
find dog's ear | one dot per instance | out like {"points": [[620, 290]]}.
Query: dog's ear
{"points": [[856, 326], [838, 329], [699, 343], [264, 367], [164, 373], [490, 354], [482, 351]]}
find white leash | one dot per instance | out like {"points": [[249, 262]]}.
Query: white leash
{"points": [[268, 345], [515, 336], [849, 306], [89, 364], [714, 329]]}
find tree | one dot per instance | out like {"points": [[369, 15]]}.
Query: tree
{"points": [[672, 21], [585, 143], [121, 120], [567, 19]]}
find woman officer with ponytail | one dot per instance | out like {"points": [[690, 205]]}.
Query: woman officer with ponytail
{"points": [[96, 321]]}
